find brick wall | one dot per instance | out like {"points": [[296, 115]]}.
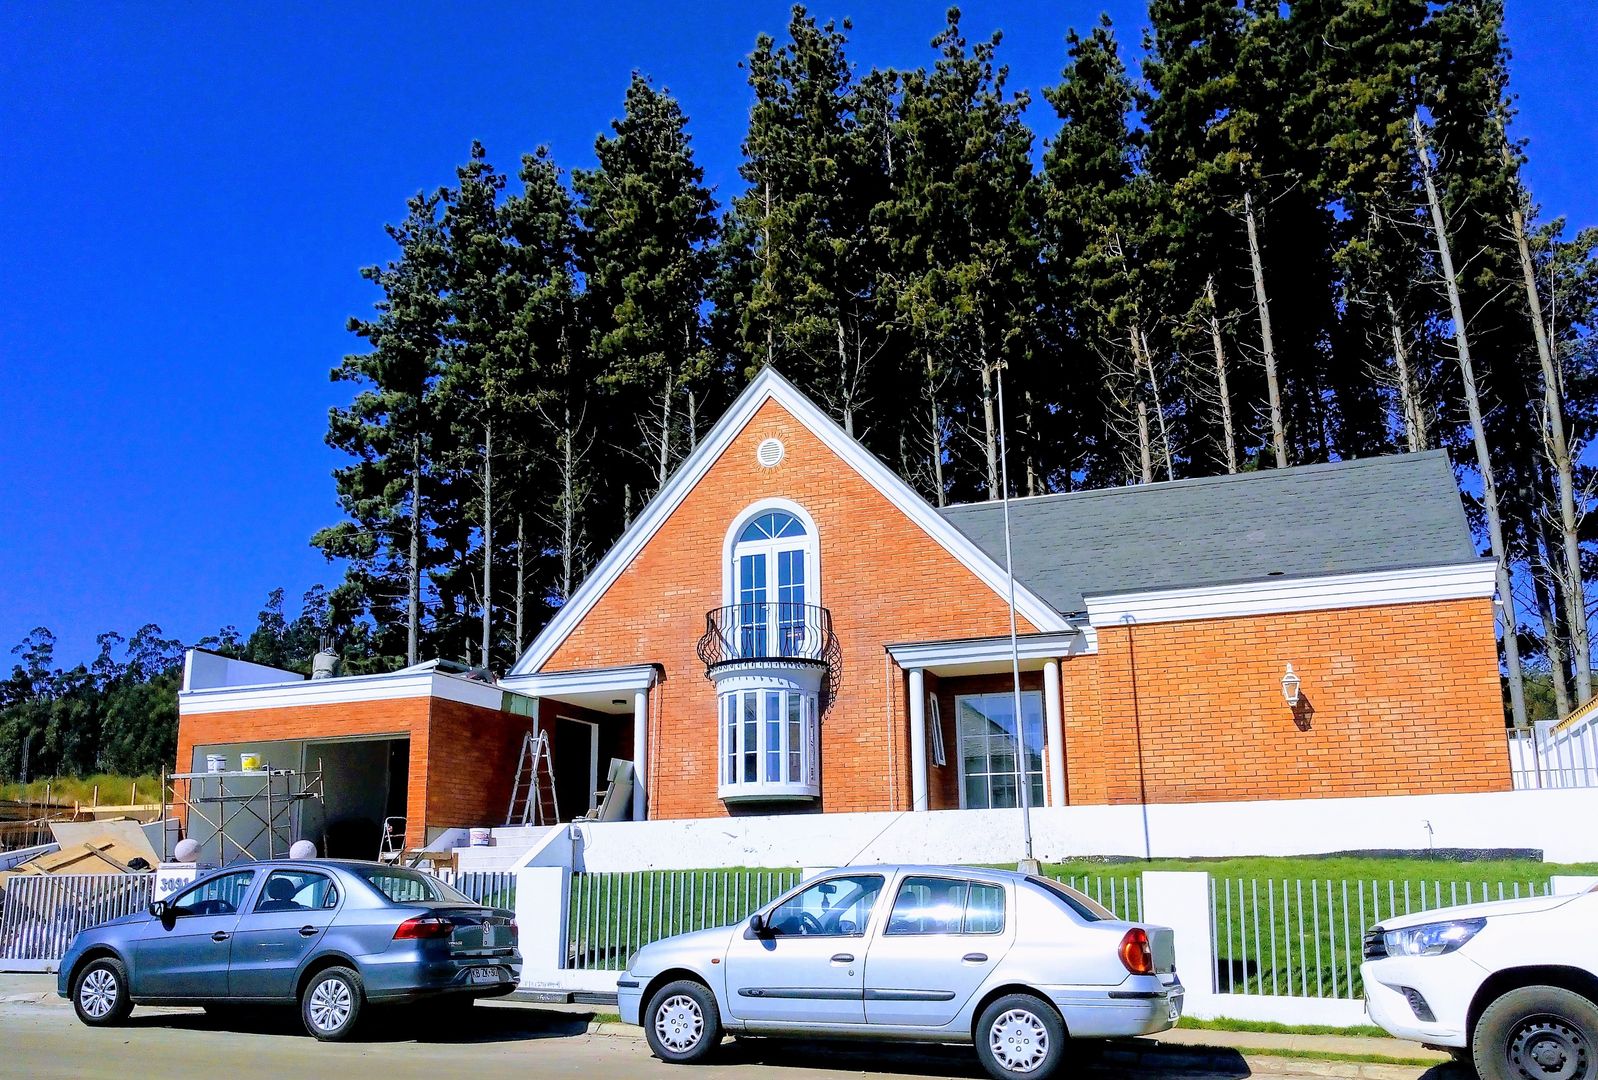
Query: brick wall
{"points": [[1399, 700], [882, 577]]}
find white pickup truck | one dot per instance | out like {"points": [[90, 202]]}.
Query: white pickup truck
{"points": [[1511, 986]]}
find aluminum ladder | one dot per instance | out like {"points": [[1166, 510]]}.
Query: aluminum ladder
{"points": [[532, 797]]}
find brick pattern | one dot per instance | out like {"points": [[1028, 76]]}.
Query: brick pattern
{"points": [[883, 578], [462, 757], [1401, 700]]}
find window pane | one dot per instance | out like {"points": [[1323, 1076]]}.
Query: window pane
{"points": [[751, 737], [729, 706], [837, 907], [773, 737], [928, 905], [295, 890], [795, 736], [220, 895], [984, 910], [976, 792]]}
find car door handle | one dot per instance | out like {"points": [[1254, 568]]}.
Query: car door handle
{"points": [[843, 958], [308, 931], [220, 935], [975, 958]]}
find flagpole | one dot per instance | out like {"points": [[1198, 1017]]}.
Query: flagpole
{"points": [[1023, 785]]}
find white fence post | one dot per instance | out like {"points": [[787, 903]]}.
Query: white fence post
{"points": [[542, 898], [1180, 899]]}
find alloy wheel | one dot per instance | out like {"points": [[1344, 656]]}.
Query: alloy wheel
{"points": [[1019, 1041], [331, 1003], [98, 993], [1550, 1048], [680, 1023]]}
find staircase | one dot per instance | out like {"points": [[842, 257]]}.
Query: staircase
{"points": [[509, 844]]}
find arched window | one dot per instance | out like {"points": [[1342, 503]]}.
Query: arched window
{"points": [[772, 634]]}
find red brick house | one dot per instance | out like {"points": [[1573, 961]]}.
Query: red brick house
{"points": [[789, 627]]}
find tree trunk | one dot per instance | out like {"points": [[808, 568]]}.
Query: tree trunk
{"points": [[1547, 602], [1559, 453], [1143, 442], [1408, 396], [846, 398], [693, 421], [1031, 443], [1267, 340], [568, 508], [521, 581], [936, 434], [1141, 358], [1228, 436], [990, 430], [488, 538], [1484, 464], [413, 572], [664, 461]]}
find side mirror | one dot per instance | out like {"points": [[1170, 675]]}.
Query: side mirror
{"points": [[757, 923], [158, 909]]}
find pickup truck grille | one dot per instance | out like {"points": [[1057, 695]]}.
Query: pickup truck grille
{"points": [[1375, 947]]}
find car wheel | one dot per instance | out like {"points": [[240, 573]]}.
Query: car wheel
{"points": [[100, 992], [1020, 1035], [1537, 1033], [331, 1003], [682, 1022]]}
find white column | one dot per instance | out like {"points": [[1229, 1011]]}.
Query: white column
{"points": [[541, 911], [918, 740], [1054, 732], [640, 754]]}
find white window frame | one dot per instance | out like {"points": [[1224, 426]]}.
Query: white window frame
{"points": [[940, 757], [810, 543], [959, 737], [734, 786]]}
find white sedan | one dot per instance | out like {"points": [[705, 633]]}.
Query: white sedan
{"points": [[1512, 984], [1015, 964]]}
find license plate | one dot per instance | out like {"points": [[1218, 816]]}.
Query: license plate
{"points": [[1174, 1007], [485, 975]]}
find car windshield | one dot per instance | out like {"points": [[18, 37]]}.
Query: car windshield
{"points": [[1081, 903], [403, 886]]}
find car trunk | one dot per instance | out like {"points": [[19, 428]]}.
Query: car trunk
{"points": [[478, 931]]}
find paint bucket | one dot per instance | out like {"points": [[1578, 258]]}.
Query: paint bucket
{"points": [[481, 837], [249, 762], [215, 762]]}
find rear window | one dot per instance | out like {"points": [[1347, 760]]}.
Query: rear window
{"points": [[405, 886], [1089, 909]]}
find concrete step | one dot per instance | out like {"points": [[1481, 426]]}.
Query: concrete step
{"points": [[509, 845]]}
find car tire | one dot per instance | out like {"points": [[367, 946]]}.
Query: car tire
{"points": [[331, 1003], [1537, 1031], [1020, 1035], [100, 992], [682, 1022]]}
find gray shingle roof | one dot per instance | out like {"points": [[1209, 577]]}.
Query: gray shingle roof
{"points": [[1382, 513]]}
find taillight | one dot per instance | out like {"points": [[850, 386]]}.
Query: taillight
{"points": [[423, 927], [1136, 955], [515, 931]]}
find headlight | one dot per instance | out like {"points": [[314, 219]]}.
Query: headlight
{"points": [[1431, 939]]}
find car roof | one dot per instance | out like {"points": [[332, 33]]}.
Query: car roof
{"points": [[319, 864], [931, 869]]}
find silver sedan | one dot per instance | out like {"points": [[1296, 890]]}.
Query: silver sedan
{"points": [[1014, 964]]}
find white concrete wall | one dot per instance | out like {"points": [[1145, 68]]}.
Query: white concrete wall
{"points": [[1511, 819]]}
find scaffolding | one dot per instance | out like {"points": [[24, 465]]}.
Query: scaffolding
{"points": [[255, 812]]}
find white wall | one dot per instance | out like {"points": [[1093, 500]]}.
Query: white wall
{"points": [[1512, 819]]}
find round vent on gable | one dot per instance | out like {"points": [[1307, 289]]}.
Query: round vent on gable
{"points": [[769, 453]]}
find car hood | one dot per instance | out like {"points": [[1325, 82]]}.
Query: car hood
{"points": [[694, 949], [1529, 905]]}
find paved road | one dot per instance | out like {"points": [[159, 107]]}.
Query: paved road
{"points": [[42, 1039]]}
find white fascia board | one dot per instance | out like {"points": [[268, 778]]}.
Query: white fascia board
{"points": [[613, 680], [1461, 581], [935, 654], [346, 690], [766, 386]]}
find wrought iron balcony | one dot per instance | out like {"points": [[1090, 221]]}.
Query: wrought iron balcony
{"points": [[742, 633]]}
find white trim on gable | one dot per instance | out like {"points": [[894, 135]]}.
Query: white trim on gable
{"points": [[769, 385], [1276, 596]]}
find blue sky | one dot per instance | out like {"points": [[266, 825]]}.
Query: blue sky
{"points": [[187, 192]]}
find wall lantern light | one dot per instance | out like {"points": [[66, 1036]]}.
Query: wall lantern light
{"points": [[1290, 685]]}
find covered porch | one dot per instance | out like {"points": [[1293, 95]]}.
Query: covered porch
{"points": [[964, 732]]}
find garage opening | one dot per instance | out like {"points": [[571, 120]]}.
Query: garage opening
{"points": [[364, 781]]}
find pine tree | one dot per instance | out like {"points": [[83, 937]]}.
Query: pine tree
{"points": [[648, 253]]}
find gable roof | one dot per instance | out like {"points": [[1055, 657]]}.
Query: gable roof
{"points": [[769, 385], [1386, 513]]}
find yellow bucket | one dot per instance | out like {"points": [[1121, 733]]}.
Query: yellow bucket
{"points": [[249, 762]]}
